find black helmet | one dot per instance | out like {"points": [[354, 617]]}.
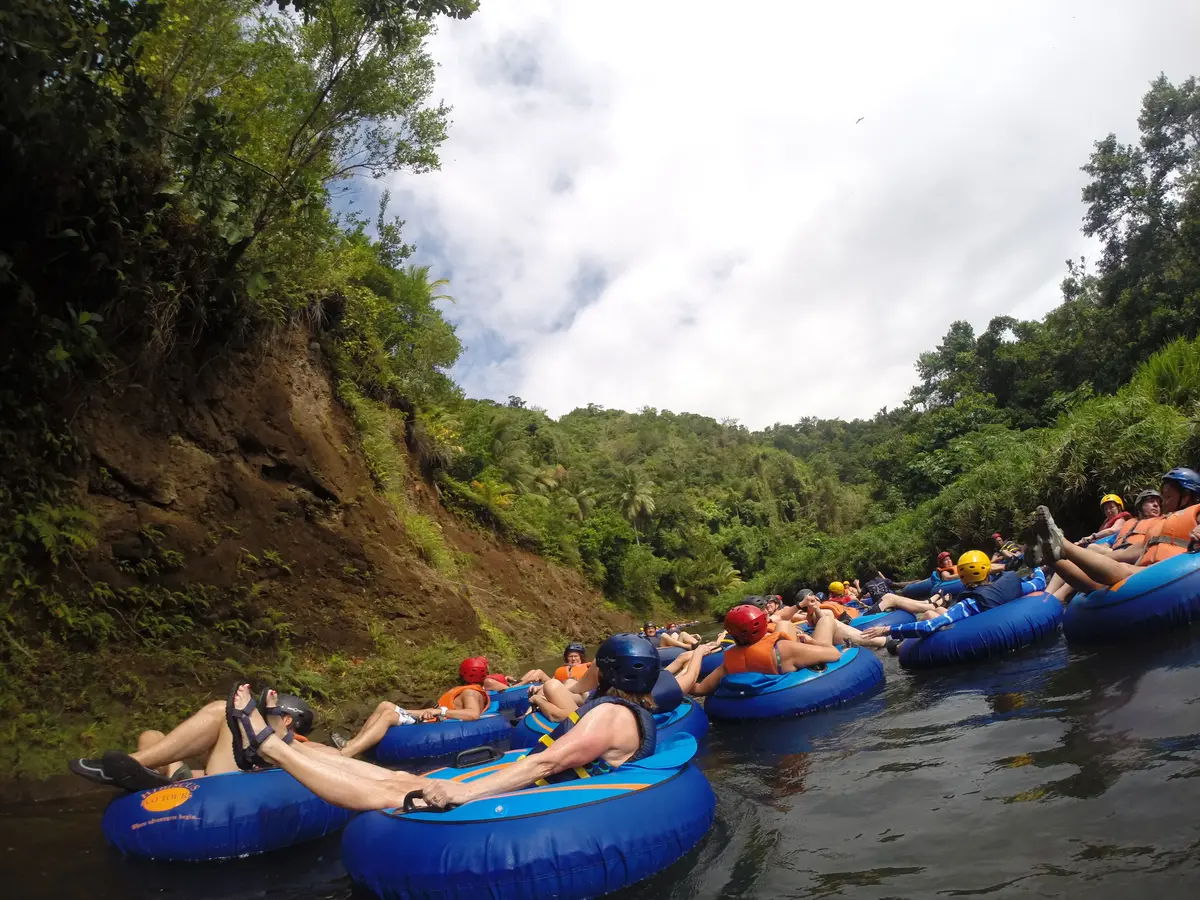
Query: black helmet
{"points": [[1148, 494], [575, 647], [629, 663], [803, 594], [289, 705]]}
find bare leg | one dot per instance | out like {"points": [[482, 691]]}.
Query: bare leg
{"points": [[1071, 577], [198, 735], [851, 635], [795, 655], [788, 628], [148, 739], [669, 640], [895, 601], [329, 756], [558, 701], [534, 676], [1096, 569], [1064, 593], [341, 786], [384, 717]]}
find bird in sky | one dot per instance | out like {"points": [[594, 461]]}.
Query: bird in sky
{"points": [[860, 118]]}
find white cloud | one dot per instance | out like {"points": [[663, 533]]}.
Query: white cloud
{"points": [[670, 204]]}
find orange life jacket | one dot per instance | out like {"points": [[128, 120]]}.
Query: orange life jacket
{"points": [[450, 698], [761, 656], [562, 673], [1133, 532], [836, 608], [947, 573], [1169, 535]]}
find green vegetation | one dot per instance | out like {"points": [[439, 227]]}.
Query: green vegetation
{"points": [[174, 163], [658, 506]]}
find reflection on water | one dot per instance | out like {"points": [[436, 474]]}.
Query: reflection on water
{"points": [[1052, 773]]}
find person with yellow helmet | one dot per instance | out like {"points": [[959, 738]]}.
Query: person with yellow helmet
{"points": [[1113, 508], [979, 595]]}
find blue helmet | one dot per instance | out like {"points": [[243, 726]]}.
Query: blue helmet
{"points": [[1187, 479], [575, 647], [629, 663]]}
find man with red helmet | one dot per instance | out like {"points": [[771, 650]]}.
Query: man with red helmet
{"points": [[467, 702], [757, 649]]}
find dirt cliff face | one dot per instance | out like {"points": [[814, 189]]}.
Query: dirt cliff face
{"points": [[253, 473], [244, 492]]}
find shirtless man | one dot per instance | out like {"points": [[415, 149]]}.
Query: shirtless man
{"points": [[556, 700], [614, 729]]}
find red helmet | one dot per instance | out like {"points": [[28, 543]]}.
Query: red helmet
{"points": [[473, 670], [746, 624]]}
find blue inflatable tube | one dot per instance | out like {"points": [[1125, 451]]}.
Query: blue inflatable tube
{"points": [[568, 841], [753, 696], [923, 590], [687, 718], [1162, 597], [220, 817], [993, 632], [513, 699], [425, 741], [711, 663], [669, 654], [891, 617]]}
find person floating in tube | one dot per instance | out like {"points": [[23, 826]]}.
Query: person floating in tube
{"points": [[1112, 507], [465, 702], [1174, 533], [615, 728], [979, 594], [160, 758], [757, 649], [575, 666]]}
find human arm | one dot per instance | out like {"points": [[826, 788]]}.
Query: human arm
{"points": [[1034, 583], [588, 741], [687, 678], [472, 709], [709, 684]]}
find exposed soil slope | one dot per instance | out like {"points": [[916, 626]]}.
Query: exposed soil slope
{"points": [[242, 495]]}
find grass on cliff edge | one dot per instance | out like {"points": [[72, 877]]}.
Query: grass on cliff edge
{"points": [[381, 430], [102, 701]]}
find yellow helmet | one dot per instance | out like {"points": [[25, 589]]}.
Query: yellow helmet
{"points": [[974, 567], [1112, 498], [836, 587]]}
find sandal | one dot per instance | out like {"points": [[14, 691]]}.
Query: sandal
{"points": [[246, 756]]}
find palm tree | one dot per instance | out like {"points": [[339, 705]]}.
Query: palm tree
{"points": [[637, 503], [578, 501]]}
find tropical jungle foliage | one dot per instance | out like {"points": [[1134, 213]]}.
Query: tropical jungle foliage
{"points": [[1100, 395], [174, 165]]}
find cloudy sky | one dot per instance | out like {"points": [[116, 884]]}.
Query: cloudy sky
{"points": [[670, 204]]}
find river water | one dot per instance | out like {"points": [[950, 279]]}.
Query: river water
{"points": [[1053, 773]]}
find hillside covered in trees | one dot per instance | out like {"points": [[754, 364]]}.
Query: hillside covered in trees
{"points": [[1100, 395], [229, 440]]}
